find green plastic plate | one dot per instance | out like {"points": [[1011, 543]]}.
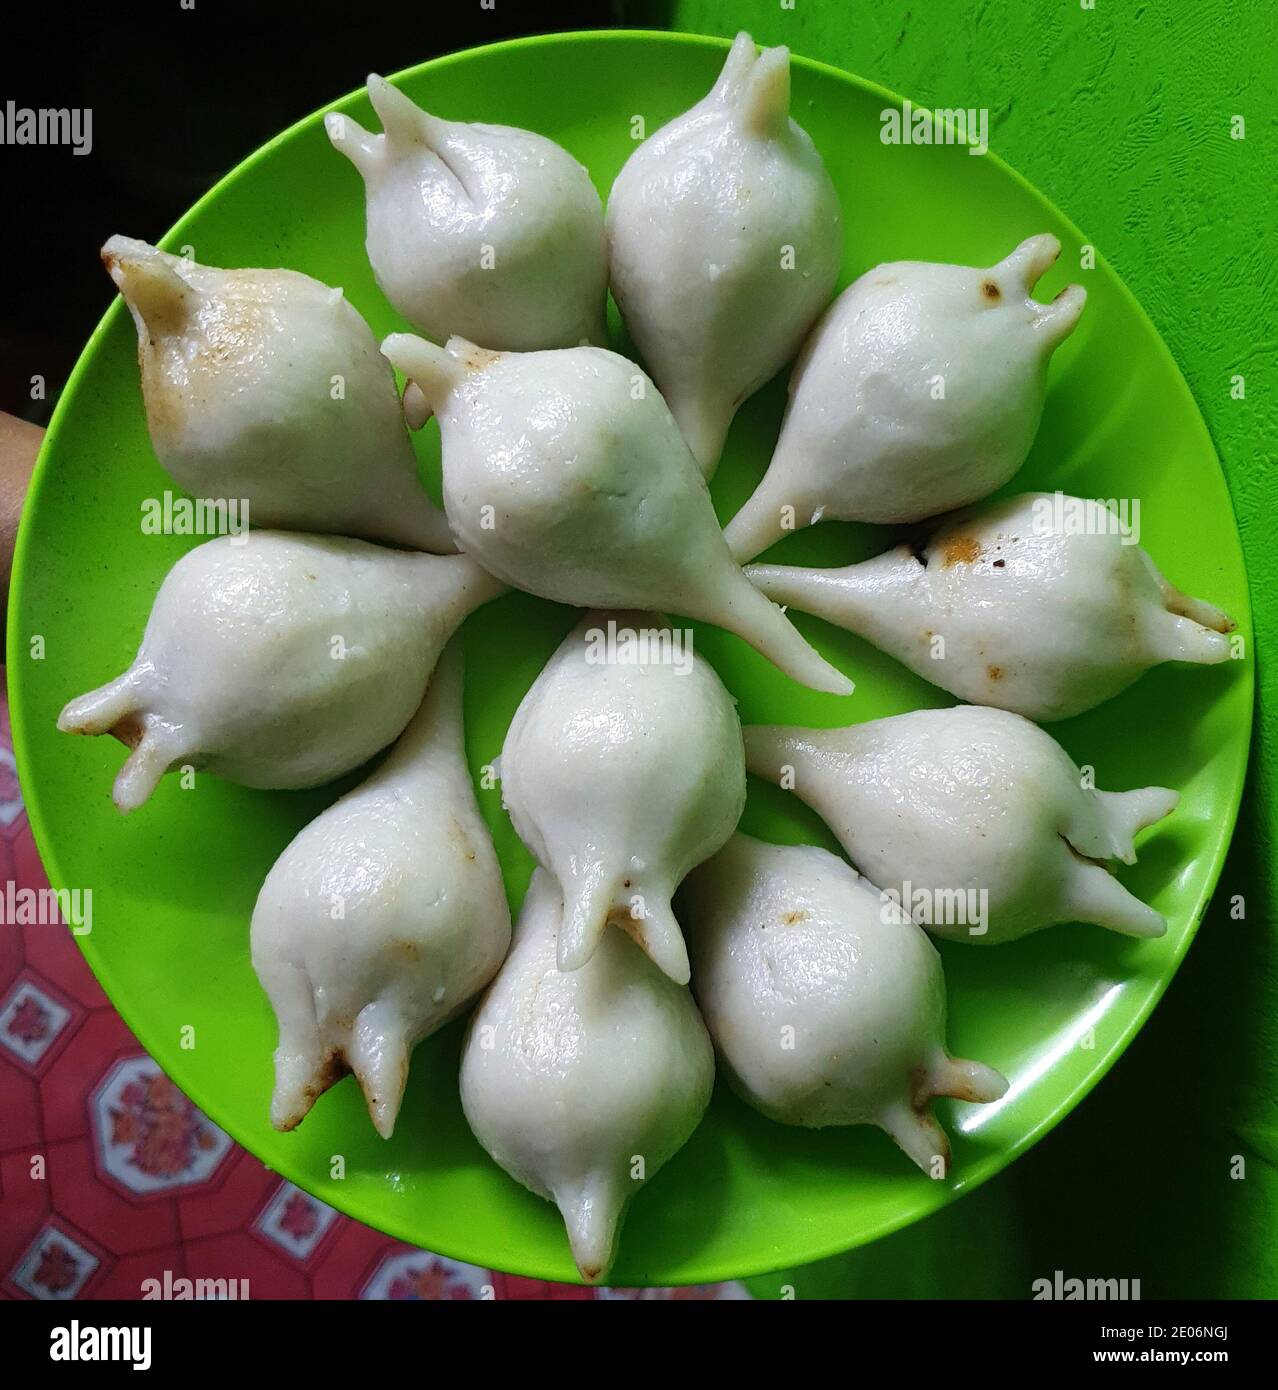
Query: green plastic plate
{"points": [[174, 884]]}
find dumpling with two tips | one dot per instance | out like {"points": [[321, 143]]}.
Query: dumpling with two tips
{"points": [[582, 1084], [1041, 604], [280, 660], [622, 769], [565, 475], [486, 231], [382, 920], [920, 391], [724, 241], [266, 388], [975, 819], [825, 1008]]}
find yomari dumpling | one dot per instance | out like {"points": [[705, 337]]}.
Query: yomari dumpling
{"points": [[565, 475], [280, 660], [485, 231], [622, 769], [382, 919], [918, 392], [1041, 604], [582, 1084], [825, 1009], [724, 240], [266, 388], [976, 820]]}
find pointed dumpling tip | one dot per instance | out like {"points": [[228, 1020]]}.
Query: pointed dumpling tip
{"points": [[795, 585], [1197, 610], [765, 100], [1187, 628], [760, 523], [772, 634], [100, 711], [820, 674], [118, 247], [115, 709], [142, 771], [658, 935], [404, 122], [1094, 895], [157, 295], [1031, 260], [416, 407], [471, 356], [1127, 813], [1054, 322], [1185, 639], [741, 58], [590, 911], [591, 1214], [585, 919], [435, 372], [916, 1132], [963, 1080], [378, 1055], [301, 1077], [382, 1098], [350, 138], [704, 428]]}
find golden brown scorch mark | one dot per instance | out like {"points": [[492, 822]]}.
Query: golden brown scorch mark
{"points": [[475, 359], [961, 550]]}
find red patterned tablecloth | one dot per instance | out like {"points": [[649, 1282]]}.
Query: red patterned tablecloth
{"points": [[110, 1177]]}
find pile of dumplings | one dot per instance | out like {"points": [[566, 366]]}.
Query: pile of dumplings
{"points": [[654, 936]]}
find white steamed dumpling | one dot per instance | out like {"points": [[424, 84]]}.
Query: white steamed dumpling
{"points": [[975, 819], [485, 231], [382, 919], [565, 475], [724, 242], [1037, 604], [581, 1084], [824, 1009], [280, 660], [266, 387], [919, 391], [620, 775]]}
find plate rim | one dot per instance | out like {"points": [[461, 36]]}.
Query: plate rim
{"points": [[982, 1167]]}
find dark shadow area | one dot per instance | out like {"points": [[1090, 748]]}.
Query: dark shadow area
{"points": [[178, 97]]}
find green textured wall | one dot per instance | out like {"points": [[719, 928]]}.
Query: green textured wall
{"points": [[1121, 114]]}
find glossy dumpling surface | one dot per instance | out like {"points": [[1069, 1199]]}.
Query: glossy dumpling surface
{"points": [[266, 388], [382, 919], [581, 1084], [622, 769], [1040, 604], [724, 243], [919, 391], [975, 819], [280, 660], [485, 231], [565, 475], [825, 1009]]}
